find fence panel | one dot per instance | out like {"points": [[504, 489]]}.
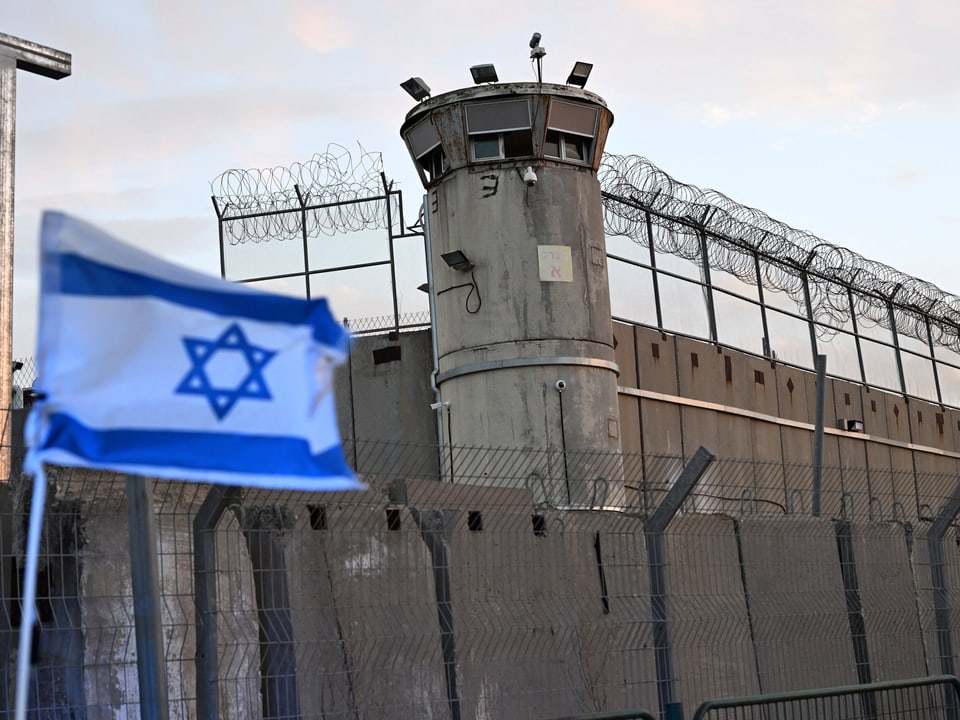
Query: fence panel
{"points": [[929, 698], [420, 598]]}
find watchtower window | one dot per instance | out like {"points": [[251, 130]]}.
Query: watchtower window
{"points": [[571, 130], [486, 146], [566, 146], [434, 163], [424, 141], [500, 129], [517, 143], [512, 144]]}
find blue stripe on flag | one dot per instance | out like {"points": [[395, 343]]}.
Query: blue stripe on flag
{"points": [[80, 275], [245, 455]]}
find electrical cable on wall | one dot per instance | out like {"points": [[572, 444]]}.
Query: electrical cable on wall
{"points": [[474, 290]]}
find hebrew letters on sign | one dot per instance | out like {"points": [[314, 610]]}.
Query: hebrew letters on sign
{"points": [[556, 263]]}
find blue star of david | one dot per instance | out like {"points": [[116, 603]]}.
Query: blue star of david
{"points": [[222, 399]]}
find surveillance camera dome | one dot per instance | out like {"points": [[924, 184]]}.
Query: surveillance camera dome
{"points": [[529, 176], [560, 385]]}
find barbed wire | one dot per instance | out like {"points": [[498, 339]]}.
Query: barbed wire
{"points": [[271, 205], [334, 192], [633, 187]]}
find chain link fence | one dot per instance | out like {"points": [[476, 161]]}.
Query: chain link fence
{"points": [[486, 597]]}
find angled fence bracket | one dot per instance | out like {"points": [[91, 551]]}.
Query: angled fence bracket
{"points": [[205, 523], [654, 529]]}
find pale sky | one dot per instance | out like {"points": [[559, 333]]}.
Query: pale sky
{"points": [[838, 117]]}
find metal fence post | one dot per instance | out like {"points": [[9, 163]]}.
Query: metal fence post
{"points": [[151, 668], [205, 522], [654, 529]]}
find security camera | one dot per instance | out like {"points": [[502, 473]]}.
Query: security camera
{"points": [[560, 385], [535, 40], [529, 177]]}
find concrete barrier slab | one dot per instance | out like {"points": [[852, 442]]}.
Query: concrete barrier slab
{"points": [[888, 601], [611, 579], [515, 616], [367, 631], [713, 652], [797, 605]]}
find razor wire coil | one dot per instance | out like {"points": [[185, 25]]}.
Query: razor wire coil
{"points": [[332, 193], [635, 191]]}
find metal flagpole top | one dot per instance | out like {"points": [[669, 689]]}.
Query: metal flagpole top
{"points": [[35, 58]]}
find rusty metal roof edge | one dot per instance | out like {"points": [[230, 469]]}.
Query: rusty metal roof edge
{"points": [[497, 90]]}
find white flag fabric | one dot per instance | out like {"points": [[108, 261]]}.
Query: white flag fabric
{"points": [[149, 368]]}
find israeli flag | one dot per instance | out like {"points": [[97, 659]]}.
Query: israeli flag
{"points": [[149, 368]]}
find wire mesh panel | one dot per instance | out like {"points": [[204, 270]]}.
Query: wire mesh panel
{"points": [[84, 652]]}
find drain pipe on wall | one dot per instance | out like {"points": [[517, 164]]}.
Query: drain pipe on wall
{"points": [[438, 403]]}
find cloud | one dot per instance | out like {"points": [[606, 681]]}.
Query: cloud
{"points": [[719, 115], [319, 29]]}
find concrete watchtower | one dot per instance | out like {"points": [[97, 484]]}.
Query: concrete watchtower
{"points": [[519, 283]]}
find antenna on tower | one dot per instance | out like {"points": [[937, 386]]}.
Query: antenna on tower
{"points": [[536, 53]]}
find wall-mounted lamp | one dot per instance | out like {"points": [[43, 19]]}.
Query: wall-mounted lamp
{"points": [[457, 260], [579, 74], [416, 88], [484, 74]]}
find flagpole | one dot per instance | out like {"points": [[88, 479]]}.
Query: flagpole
{"points": [[28, 603], [151, 669]]}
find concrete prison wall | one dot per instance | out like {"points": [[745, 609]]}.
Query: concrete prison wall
{"points": [[676, 394]]}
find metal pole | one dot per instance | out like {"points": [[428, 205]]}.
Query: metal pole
{"points": [[821, 366], [707, 284], [205, 523], [808, 301], [767, 348], [655, 526], [8, 123], [304, 237], [856, 335], [28, 612], [393, 264], [933, 359], [151, 669], [896, 340], [223, 257], [435, 352], [15, 54], [653, 272]]}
